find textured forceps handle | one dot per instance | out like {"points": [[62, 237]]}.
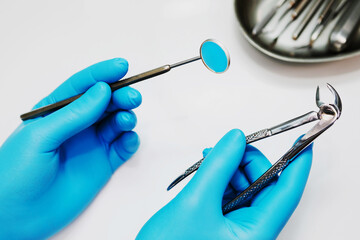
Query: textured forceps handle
{"points": [[249, 139], [256, 136], [258, 185]]}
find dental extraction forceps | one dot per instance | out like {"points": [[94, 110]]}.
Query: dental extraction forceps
{"points": [[327, 115]]}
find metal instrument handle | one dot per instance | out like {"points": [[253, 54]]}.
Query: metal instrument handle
{"points": [[114, 86], [260, 25], [345, 27], [256, 136]]}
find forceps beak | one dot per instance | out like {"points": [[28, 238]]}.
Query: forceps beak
{"points": [[337, 100]]}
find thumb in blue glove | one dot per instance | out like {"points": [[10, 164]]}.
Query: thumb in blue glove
{"points": [[53, 166], [229, 168]]}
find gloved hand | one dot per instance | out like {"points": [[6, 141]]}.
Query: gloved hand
{"points": [[52, 167], [195, 213]]}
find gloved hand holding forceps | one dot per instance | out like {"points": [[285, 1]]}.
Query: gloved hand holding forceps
{"points": [[258, 200], [229, 168]]}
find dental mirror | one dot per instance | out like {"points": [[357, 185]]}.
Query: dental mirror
{"points": [[214, 56]]}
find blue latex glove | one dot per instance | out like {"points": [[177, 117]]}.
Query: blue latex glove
{"points": [[52, 167], [195, 213]]}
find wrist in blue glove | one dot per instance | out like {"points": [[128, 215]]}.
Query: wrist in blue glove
{"points": [[52, 167], [229, 168]]}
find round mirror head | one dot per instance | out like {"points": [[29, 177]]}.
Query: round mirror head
{"points": [[215, 57]]}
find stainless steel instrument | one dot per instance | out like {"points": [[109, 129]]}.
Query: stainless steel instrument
{"points": [[299, 8], [327, 115], [345, 27], [294, 43], [212, 53], [260, 25], [314, 7], [329, 13]]}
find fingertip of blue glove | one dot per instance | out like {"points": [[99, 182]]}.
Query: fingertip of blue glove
{"points": [[121, 63], [120, 67], [93, 103], [123, 149], [127, 120], [99, 89], [131, 142], [126, 98], [135, 97], [236, 134], [206, 152], [110, 70]]}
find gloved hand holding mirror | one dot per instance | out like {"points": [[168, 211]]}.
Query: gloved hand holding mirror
{"points": [[214, 56], [56, 162]]}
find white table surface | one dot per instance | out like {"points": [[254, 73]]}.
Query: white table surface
{"points": [[43, 42]]}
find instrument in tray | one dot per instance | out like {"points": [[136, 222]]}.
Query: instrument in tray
{"points": [[323, 31], [324, 11]]}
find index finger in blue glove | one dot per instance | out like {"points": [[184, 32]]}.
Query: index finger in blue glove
{"points": [[107, 71], [50, 132], [215, 172]]}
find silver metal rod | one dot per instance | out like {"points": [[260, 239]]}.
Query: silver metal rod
{"points": [[291, 4], [345, 28], [294, 15], [260, 25], [298, 10], [325, 17], [307, 19], [185, 62], [294, 123]]}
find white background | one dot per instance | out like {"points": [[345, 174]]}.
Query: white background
{"points": [[43, 42]]}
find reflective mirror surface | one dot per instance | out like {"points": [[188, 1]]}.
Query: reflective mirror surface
{"points": [[215, 57]]}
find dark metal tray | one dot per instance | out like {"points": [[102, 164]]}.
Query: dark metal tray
{"points": [[249, 12]]}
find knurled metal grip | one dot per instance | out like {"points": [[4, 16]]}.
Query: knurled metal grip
{"points": [[249, 139], [194, 167], [245, 196], [258, 135]]}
